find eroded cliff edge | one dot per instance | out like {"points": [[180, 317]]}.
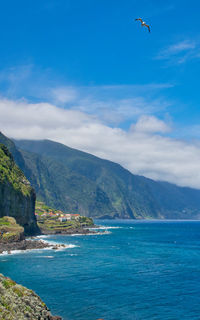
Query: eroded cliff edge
{"points": [[17, 197]]}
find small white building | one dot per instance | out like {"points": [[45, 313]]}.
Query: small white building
{"points": [[68, 217], [62, 219]]}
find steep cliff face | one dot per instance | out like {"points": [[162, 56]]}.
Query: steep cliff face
{"points": [[17, 197]]}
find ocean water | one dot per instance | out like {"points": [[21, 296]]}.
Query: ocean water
{"points": [[136, 270]]}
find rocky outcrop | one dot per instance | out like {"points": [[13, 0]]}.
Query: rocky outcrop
{"points": [[9, 247], [17, 197], [18, 302]]}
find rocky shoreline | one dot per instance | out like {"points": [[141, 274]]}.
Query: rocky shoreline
{"points": [[69, 231], [28, 245]]}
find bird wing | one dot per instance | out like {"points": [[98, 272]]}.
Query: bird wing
{"points": [[140, 19], [146, 25]]}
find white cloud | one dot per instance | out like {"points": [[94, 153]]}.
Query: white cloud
{"points": [[150, 124], [143, 149], [180, 52], [180, 47]]}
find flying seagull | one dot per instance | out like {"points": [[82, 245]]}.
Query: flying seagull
{"points": [[143, 24]]}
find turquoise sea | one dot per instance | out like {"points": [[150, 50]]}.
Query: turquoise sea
{"points": [[136, 270]]}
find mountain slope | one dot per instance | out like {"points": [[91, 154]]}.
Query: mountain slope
{"points": [[62, 188], [90, 185], [96, 187]]}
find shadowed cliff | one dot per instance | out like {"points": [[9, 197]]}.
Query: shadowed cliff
{"points": [[17, 197]]}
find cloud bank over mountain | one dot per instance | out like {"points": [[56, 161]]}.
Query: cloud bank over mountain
{"points": [[145, 148]]}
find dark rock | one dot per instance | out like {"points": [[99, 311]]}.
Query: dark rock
{"points": [[23, 245]]}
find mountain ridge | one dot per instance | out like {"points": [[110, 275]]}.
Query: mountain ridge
{"points": [[75, 181]]}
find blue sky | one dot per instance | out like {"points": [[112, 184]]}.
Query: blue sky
{"points": [[92, 60], [87, 43]]}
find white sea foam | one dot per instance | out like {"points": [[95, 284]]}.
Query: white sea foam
{"points": [[51, 242], [61, 245], [43, 236], [82, 234], [67, 246], [102, 233], [5, 253], [52, 247], [12, 252], [105, 228], [90, 234]]}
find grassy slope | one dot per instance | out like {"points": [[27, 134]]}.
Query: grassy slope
{"points": [[10, 230]]}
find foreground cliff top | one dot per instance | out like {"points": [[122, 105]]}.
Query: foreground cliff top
{"points": [[18, 302]]}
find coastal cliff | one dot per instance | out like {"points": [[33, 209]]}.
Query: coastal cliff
{"points": [[17, 197], [18, 302]]}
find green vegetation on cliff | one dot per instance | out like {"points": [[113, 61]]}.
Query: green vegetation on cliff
{"points": [[10, 231], [10, 172], [41, 208], [17, 197]]}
